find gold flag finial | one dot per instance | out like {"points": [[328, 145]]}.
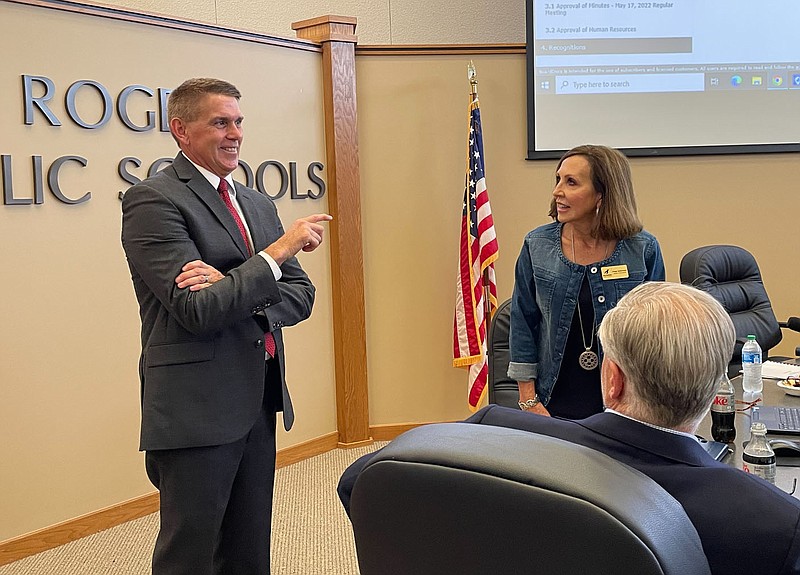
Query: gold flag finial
{"points": [[473, 79]]}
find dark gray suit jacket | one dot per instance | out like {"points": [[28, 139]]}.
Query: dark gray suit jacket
{"points": [[202, 363], [746, 525]]}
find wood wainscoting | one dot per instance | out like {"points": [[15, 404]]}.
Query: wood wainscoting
{"points": [[102, 519]]}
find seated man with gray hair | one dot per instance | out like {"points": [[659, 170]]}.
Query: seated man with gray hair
{"points": [[666, 347]]}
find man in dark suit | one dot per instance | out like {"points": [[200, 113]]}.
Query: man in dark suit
{"points": [[216, 279], [666, 347]]}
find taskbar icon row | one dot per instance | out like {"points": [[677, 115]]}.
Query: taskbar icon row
{"points": [[754, 81]]}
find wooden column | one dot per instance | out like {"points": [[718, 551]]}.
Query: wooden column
{"points": [[337, 36]]}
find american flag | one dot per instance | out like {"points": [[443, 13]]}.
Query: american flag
{"points": [[477, 251]]}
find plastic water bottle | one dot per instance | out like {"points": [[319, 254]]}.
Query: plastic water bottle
{"points": [[758, 457], [723, 413], [751, 366]]}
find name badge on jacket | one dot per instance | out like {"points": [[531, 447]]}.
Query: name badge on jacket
{"points": [[614, 272]]}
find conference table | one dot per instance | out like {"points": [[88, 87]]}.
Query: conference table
{"points": [[788, 467]]}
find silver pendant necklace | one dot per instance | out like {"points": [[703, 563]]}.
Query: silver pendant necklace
{"points": [[588, 359]]}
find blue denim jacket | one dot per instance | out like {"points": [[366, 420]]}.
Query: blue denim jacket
{"points": [[546, 291]]}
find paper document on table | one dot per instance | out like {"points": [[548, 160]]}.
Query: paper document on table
{"points": [[778, 370]]}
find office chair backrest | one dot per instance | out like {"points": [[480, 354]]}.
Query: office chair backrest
{"points": [[460, 498], [731, 275], [502, 389]]}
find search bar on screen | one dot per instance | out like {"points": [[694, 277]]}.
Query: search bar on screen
{"points": [[630, 83]]}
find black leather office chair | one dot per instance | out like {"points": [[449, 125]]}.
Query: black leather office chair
{"points": [[731, 275], [502, 389], [466, 499]]}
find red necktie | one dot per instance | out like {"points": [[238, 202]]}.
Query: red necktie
{"points": [[269, 340]]}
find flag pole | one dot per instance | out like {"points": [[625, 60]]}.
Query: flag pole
{"points": [[473, 80], [473, 95]]}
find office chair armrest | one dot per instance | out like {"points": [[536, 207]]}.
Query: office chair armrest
{"points": [[793, 323]]}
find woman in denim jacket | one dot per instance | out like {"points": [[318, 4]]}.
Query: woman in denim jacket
{"points": [[569, 274]]}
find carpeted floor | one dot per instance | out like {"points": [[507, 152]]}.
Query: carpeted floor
{"points": [[311, 533]]}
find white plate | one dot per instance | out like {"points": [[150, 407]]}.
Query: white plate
{"points": [[790, 389]]}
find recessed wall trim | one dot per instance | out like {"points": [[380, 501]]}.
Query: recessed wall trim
{"points": [[172, 23]]}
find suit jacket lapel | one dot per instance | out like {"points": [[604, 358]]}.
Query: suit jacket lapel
{"points": [[196, 182], [254, 223], [646, 438]]}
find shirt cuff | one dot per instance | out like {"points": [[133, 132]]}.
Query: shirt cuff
{"points": [[276, 269], [522, 371]]}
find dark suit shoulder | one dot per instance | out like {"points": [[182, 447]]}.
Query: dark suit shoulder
{"points": [[727, 506], [163, 180], [514, 418]]}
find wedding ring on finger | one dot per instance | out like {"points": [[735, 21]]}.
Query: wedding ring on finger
{"points": [[205, 279]]}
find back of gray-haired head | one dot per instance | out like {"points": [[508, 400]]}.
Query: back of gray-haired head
{"points": [[673, 342]]}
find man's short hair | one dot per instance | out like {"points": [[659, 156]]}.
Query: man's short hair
{"points": [[673, 342], [184, 100]]}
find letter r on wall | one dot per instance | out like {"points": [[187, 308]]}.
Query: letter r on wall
{"points": [[41, 101]]}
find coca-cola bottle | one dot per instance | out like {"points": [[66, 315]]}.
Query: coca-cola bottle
{"points": [[723, 412]]}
